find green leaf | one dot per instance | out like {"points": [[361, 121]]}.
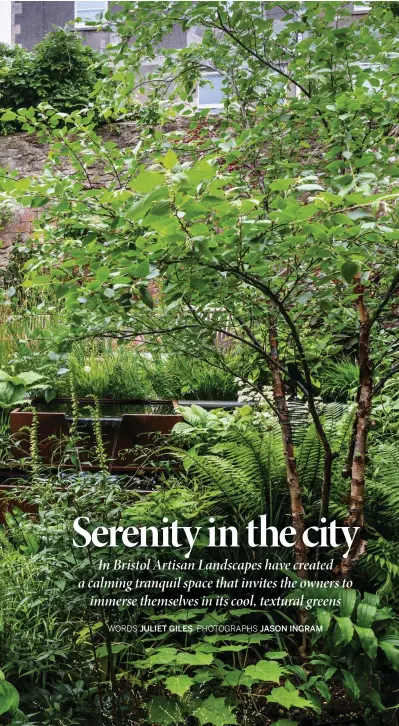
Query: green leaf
{"points": [[343, 632], [170, 159], [265, 671], [349, 270], [280, 185], [179, 684], [38, 202], [198, 658], [365, 614], [215, 711], [147, 297], [9, 698], [288, 699], [8, 116], [165, 711], [323, 618], [19, 719], [350, 684], [285, 722], [28, 378], [390, 650], [368, 640], [348, 601], [102, 650], [236, 678], [147, 181], [142, 269], [102, 274]]}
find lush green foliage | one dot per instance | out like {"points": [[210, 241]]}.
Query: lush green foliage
{"points": [[272, 225], [61, 71]]}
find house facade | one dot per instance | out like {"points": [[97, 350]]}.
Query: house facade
{"points": [[26, 22]]}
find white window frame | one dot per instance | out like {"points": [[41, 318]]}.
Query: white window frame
{"points": [[82, 25], [361, 9], [205, 74]]}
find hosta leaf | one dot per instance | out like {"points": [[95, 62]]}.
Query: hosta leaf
{"points": [[288, 699], [164, 711], [215, 711], [9, 698], [179, 684], [265, 670], [285, 722], [27, 378]]}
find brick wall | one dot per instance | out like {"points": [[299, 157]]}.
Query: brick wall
{"points": [[17, 229]]}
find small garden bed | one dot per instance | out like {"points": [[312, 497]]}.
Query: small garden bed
{"points": [[125, 425]]}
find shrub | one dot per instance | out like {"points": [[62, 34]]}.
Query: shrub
{"points": [[60, 71]]}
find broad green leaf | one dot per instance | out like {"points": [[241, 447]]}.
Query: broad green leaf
{"points": [[147, 181], [323, 618], [9, 698], [197, 658], [391, 651], [215, 711], [179, 684], [365, 614], [343, 632], [288, 699], [349, 270], [265, 671], [102, 650], [348, 601], [102, 274], [29, 377], [285, 722], [164, 711], [170, 159], [280, 185], [142, 269], [368, 640], [8, 116], [238, 678]]}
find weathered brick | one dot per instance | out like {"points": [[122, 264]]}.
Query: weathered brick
{"points": [[23, 227]]}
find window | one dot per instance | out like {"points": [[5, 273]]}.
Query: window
{"points": [[361, 7], [92, 12], [211, 95]]}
